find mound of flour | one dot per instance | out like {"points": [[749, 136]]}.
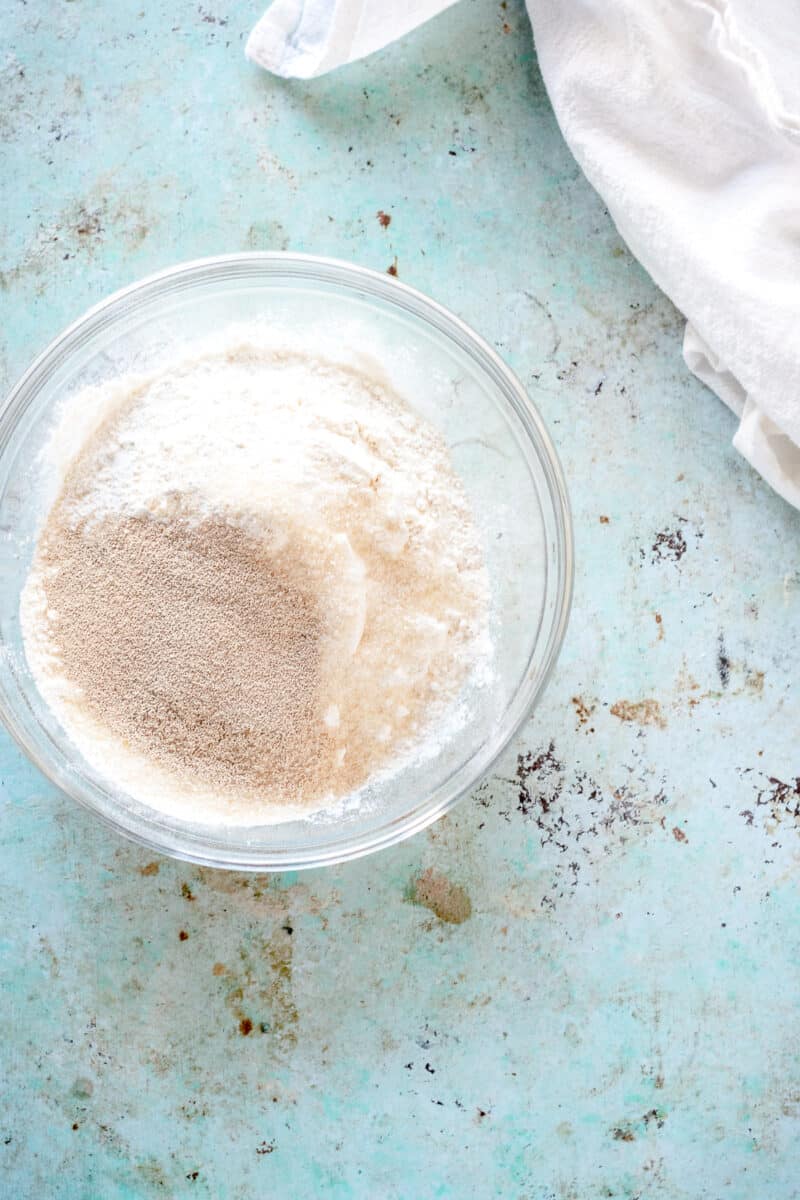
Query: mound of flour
{"points": [[259, 582]]}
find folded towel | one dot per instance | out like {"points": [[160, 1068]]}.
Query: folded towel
{"points": [[685, 116]]}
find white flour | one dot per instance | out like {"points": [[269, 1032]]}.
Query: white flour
{"points": [[308, 452]]}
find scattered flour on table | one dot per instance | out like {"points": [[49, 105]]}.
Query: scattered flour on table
{"points": [[259, 583]]}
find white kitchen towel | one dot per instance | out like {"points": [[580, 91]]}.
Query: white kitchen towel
{"points": [[685, 116]]}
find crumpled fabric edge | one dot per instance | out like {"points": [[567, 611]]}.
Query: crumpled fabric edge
{"points": [[758, 439], [296, 39]]}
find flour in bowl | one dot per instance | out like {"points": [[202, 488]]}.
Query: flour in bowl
{"points": [[259, 583]]}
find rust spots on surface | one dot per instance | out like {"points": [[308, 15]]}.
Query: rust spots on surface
{"points": [[187, 892], [626, 1131], [605, 520], [76, 232], [577, 818], [392, 268], [152, 1173], [151, 868], [183, 935], [678, 834], [780, 797], [384, 218], [261, 983], [660, 624], [639, 712], [52, 957], [265, 1148], [754, 682], [656, 1116], [546, 764], [735, 679], [284, 1010], [669, 546], [446, 900], [89, 223], [583, 711]]}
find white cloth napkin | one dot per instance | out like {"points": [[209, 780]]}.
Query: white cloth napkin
{"points": [[685, 116]]}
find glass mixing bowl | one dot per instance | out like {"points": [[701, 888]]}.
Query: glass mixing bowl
{"points": [[499, 447]]}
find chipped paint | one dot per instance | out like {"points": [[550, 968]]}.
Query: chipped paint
{"points": [[641, 712], [446, 900]]}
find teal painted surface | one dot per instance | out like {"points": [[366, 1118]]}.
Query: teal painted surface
{"points": [[615, 1013]]}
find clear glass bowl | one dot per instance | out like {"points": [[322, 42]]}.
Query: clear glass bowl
{"points": [[499, 447]]}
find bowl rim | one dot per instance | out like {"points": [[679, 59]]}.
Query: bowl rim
{"points": [[529, 689]]}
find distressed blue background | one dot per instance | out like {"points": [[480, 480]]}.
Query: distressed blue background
{"points": [[582, 984]]}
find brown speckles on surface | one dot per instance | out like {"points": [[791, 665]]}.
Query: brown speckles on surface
{"points": [[640, 712], [89, 223], [265, 1148], [656, 1116], [579, 818], [605, 520], [52, 958], [448, 901], [660, 626], [780, 798], [678, 834], [392, 268], [284, 1011], [669, 545], [151, 1173], [583, 711], [274, 169], [183, 935], [151, 868], [384, 218], [261, 983], [626, 1131], [754, 682], [734, 679], [530, 765], [187, 892]]}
